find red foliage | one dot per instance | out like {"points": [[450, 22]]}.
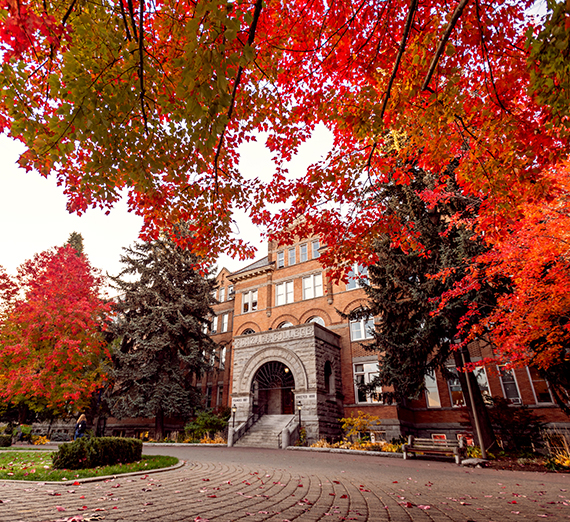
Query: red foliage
{"points": [[51, 343]]}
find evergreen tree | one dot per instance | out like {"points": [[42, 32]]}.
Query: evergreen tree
{"points": [[75, 241], [411, 338], [162, 314]]}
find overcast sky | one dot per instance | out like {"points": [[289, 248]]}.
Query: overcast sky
{"points": [[34, 217]]}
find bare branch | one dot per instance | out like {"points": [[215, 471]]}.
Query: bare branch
{"points": [[141, 65]]}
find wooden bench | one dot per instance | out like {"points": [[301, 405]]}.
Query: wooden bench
{"points": [[455, 448]]}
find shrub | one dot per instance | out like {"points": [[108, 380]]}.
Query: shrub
{"points": [[5, 441], [359, 426], [39, 440], [205, 422], [103, 451]]}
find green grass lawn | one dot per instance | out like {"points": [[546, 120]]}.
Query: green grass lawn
{"points": [[36, 465]]}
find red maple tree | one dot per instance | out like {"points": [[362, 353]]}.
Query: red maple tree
{"points": [[51, 342]]}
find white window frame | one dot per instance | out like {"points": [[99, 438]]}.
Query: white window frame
{"points": [[284, 293], [230, 292], [357, 274], [315, 245], [249, 301], [303, 253], [222, 294], [292, 257], [214, 328], [225, 323], [362, 329], [502, 371], [453, 384], [313, 286], [532, 381], [368, 372], [433, 400], [281, 259], [222, 364], [220, 394]]}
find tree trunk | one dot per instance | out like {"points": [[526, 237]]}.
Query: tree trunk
{"points": [[159, 425], [479, 408]]}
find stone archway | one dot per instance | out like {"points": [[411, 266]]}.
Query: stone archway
{"points": [[272, 389]]}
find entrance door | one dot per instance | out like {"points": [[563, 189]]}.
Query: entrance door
{"points": [[272, 388]]}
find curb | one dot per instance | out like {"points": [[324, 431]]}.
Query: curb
{"points": [[349, 451], [181, 445]]}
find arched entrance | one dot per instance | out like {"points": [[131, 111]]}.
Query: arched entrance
{"points": [[272, 389]]}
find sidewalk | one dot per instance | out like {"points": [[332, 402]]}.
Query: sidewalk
{"points": [[231, 484]]}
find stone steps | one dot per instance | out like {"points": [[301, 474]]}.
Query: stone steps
{"points": [[265, 432]]}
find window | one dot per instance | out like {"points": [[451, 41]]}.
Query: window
{"points": [[455, 389], [315, 249], [220, 398], [209, 396], [223, 358], [292, 259], [248, 331], [432, 393], [481, 376], [364, 374], [509, 384], [362, 329], [222, 294], [225, 321], [284, 293], [329, 378], [540, 386], [215, 324], [280, 259], [312, 286], [357, 275], [303, 253], [230, 292], [250, 301], [286, 324], [213, 357], [317, 319]]}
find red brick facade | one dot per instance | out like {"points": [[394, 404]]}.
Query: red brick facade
{"points": [[289, 288]]}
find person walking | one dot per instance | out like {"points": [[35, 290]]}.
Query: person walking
{"points": [[80, 427]]}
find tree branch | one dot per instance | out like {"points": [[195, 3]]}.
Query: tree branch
{"points": [[441, 47], [124, 15], [141, 65], [251, 36]]}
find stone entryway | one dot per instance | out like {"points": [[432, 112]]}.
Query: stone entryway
{"points": [[272, 389]]}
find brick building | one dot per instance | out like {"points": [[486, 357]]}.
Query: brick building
{"points": [[284, 342]]}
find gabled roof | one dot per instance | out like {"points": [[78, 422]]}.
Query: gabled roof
{"points": [[259, 266]]}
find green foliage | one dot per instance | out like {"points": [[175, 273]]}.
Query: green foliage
{"points": [[5, 440], [518, 428], [206, 422], [75, 241], [160, 332], [102, 451], [412, 337]]}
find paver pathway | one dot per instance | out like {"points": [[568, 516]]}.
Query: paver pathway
{"points": [[222, 484]]}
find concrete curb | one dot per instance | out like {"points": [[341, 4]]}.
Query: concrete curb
{"points": [[349, 451], [181, 444]]}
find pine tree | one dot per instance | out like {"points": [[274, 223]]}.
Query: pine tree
{"points": [[403, 293], [75, 241], [162, 314]]}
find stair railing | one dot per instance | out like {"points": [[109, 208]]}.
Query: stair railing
{"points": [[243, 428], [287, 427]]}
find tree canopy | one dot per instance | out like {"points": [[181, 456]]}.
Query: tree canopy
{"points": [[155, 97], [51, 332]]}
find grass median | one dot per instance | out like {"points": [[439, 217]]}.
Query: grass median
{"points": [[37, 465]]}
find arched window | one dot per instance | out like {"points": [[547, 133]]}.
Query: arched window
{"points": [[248, 331], [286, 324], [316, 319]]}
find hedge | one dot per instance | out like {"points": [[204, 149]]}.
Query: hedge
{"points": [[5, 441], [99, 451]]}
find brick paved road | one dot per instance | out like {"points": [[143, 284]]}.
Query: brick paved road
{"points": [[221, 484]]}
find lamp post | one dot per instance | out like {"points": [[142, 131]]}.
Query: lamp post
{"points": [[299, 408], [234, 409]]}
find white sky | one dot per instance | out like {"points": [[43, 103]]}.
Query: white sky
{"points": [[34, 216]]}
